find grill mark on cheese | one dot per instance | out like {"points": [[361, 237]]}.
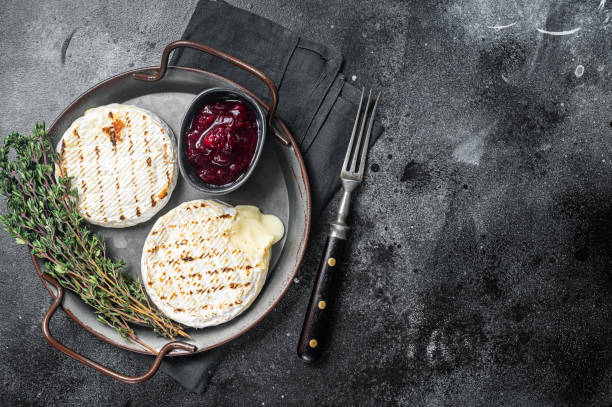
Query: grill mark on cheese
{"points": [[83, 184], [101, 196], [132, 166], [194, 243], [234, 286], [114, 131], [97, 151], [164, 191], [207, 254], [135, 184], [147, 147], [193, 271], [63, 149], [148, 161], [149, 173], [134, 181], [117, 174], [208, 272], [205, 306]]}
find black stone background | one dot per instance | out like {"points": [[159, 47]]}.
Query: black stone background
{"points": [[480, 262]]}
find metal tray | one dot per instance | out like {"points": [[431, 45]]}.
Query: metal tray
{"points": [[279, 185]]}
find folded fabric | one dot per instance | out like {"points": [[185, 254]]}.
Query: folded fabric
{"points": [[315, 102]]}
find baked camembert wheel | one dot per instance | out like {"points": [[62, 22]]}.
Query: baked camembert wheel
{"points": [[204, 262], [122, 163]]}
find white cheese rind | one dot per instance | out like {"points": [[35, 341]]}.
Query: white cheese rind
{"points": [[122, 177], [191, 271]]}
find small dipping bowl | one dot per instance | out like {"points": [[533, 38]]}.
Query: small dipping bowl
{"points": [[211, 96]]}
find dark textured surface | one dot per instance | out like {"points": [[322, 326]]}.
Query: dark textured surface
{"points": [[480, 268]]}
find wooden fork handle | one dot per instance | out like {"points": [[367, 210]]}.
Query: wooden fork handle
{"points": [[315, 330]]}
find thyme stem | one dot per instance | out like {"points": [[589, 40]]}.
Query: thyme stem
{"points": [[41, 213]]}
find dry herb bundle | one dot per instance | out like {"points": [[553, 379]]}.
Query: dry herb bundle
{"points": [[41, 213]]}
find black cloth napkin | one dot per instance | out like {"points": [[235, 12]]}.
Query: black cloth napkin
{"points": [[315, 102]]}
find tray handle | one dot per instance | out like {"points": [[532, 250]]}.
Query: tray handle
{"points": [[163, 66], [94, 365]]}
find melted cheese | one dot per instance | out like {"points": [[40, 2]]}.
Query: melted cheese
{"points": [[253, 231]]}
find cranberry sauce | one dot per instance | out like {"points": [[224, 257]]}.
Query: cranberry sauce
{"points": [[221, 141]]}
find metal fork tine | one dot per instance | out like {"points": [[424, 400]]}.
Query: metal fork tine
{"points": [[350, 146], [363, 122], [366, 143]]}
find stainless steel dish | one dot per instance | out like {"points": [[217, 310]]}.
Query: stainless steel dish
{"points": [[278, 185]]}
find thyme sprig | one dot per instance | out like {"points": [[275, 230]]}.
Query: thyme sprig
{"points": [[41, 213]]}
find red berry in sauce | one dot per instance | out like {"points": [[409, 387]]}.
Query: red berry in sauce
{"points": [[221, 141]]}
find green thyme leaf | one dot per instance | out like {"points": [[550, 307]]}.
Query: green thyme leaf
{"points": [[41, 212]]}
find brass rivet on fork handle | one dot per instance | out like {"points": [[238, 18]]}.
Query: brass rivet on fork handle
{"points": [[324, 291]]}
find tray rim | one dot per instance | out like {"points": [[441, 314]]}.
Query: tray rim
{"points": [[305, 235]]}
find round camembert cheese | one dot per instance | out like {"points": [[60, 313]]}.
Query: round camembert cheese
{"points": [[122, 163], [204, 262]]}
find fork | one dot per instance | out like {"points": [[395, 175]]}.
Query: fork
{"points": [[315, 328]]}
